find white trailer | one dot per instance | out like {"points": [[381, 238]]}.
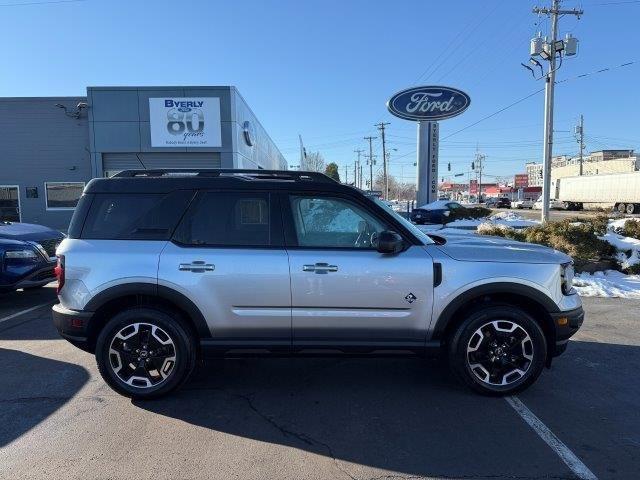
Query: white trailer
{"points": [[622, 190]]}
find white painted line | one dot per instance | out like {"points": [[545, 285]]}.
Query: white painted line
{"points": [[14, 315], [566, 455]]}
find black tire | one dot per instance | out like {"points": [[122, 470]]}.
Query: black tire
{"points": [[621, 207], [182, 346], [459, 359], [631, 208]]}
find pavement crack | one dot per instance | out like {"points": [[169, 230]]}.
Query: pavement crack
{"points": [[307, 440]]}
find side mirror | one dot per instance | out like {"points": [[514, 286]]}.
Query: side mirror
{"points": [[389, 242]]}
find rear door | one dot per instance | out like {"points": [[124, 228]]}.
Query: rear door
{"points": [[227, 255], [343, 291]]}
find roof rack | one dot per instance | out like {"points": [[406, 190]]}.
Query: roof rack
{"points": [[246, 174]]}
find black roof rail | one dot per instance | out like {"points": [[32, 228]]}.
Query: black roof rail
{"points": [[248, 174]]}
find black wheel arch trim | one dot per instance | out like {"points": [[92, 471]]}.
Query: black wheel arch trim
{"points": [[496, 288], [153, 290]]}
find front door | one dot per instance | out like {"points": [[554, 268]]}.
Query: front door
{"points": [[343, 291], [227, 256], [9, 204]]}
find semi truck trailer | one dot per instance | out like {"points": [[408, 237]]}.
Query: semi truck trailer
{"points": [[622, 190]]}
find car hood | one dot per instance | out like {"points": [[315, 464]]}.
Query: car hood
{"points": [[476, 248], [27, 231]]}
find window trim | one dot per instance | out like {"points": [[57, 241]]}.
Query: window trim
{"points": [[291, 238], [46, 196], [276, 234]]}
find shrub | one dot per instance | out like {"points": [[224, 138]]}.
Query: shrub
{"points": [[577, 239], [631, 228], [468, 213]]}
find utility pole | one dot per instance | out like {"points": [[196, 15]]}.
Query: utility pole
{"points": [[358, 178], [381, 127], [478, 168], [549, 50], [580, 138], [370, 161], [346, 174]]}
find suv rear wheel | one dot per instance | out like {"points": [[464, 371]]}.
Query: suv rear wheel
{"points": [[145, 353], [498, 350]]}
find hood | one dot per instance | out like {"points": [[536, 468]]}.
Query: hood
{"points": [[477, 248], [27, 231]]}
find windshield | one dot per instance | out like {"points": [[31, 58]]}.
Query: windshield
{"points": [[410, 226]]}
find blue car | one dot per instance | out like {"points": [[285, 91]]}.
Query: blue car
{"points": [[27, 255]]}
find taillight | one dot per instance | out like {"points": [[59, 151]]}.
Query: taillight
{"points": [[59, 272]]}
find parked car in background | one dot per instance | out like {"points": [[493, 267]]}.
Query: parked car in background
{"points": [[520, 204], [554, 204], [27, 255], [434, 212], [499, 202]]}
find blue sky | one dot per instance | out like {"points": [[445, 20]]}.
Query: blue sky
{"points": [[324, 69]]}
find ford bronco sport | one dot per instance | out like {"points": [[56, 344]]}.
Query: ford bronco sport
{"points": [[163, 267]]}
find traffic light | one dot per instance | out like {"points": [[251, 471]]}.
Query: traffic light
{"points": [[473, 165], [449, 166]]}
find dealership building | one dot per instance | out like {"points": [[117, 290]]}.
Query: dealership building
{"points": [[50, 147]]}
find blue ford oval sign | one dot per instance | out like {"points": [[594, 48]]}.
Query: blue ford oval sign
{"points": [[428, 103]]}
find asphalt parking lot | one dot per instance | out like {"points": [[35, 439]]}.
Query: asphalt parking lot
{"points": [[318, 418]]}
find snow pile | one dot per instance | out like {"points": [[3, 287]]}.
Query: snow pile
{"points": [[609, 283], [628, 247]]}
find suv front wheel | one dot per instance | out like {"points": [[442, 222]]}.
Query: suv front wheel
{"points": [[145, 353], [498, 350]]}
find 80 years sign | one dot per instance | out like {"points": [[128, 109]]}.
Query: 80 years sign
{"points": [[185, 122]]}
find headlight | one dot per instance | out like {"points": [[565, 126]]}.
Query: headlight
{"points": [[22, 254], [567, 274]]}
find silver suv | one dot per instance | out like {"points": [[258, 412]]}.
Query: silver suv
{"points": [[162, 268]]}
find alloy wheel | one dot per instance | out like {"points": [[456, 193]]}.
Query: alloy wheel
{"points": [[142, 355], [500, 352]]}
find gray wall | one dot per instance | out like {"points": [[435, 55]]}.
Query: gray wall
{"points": [[264, 153], [39, 143]]}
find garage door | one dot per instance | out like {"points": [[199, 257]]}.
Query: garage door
{"points": [[113, 163]]}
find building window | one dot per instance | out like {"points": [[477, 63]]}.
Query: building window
{"points": [[63, 195]]}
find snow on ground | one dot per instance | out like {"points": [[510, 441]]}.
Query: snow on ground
{"points": [[609, 283], [506, 218], [628, 247]]}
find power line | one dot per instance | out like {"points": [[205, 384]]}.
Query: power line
{"points": [[444, 51]]}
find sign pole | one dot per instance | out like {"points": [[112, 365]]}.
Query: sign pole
{"points": [[427, 161]]}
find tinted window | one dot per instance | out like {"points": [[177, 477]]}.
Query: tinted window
{"points": [[227, 219], [135, 216], [333, 222]]}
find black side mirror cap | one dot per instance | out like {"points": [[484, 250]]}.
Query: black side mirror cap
{"points": [[389, 242]]}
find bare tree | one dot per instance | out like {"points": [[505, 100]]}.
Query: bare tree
{"points": [[314, 162], [397, 190]]}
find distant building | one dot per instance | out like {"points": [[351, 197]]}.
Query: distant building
{"points": [[596, 163], [534, 174]]}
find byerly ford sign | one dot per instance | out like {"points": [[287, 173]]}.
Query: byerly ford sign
{"points": [[428, 103], [185, 122]]}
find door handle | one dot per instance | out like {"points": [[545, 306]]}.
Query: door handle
{"points": [[321, 268], [197, 266]]}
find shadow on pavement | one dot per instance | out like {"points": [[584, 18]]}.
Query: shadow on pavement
{"points": [[31, 389], [410, 416], [401, 415]]}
